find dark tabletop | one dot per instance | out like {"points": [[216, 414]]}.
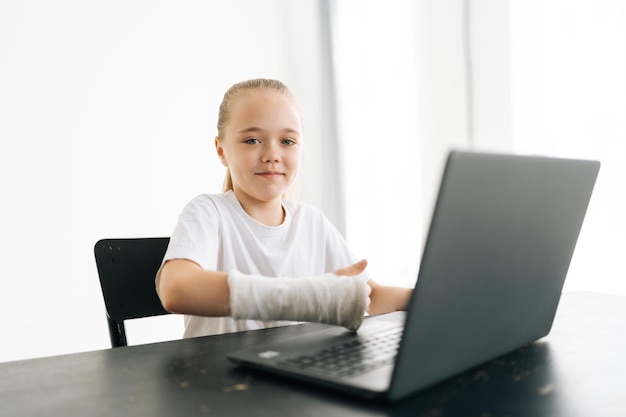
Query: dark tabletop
{"points": [[579, 369]]}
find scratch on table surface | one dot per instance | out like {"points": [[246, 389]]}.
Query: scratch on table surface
{"points": [[433, 412], [546, 389], [481, 376], [236, 387]]}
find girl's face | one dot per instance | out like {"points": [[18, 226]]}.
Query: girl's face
{"points": [[261, 145]]}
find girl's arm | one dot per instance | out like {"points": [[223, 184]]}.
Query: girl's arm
{"points": [[185, 288], [385, 299]]}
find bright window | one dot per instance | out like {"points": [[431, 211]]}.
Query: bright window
{"points": [[560, 67], [377, 106], [569, 99]]}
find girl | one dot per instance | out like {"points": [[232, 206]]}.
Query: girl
{"points": [[249, 258]]}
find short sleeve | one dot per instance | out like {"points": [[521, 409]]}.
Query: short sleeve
{"points": [[197, 234]]}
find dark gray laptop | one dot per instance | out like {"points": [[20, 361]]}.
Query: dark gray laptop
{"points": [[501, 238]]}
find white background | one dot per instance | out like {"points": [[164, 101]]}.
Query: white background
{"points": [[107, 120]]}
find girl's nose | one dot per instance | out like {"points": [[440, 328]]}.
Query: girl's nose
{"points": [[269, 159], [271, 154]]}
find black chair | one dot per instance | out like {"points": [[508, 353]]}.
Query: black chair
{"points": [[127, 269]]}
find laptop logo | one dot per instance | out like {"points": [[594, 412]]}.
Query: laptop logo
{"points": [[269, 354]]}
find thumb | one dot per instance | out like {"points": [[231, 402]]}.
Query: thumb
{"points": [[352, 270]]}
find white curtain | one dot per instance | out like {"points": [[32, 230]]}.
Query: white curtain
{"points": [[415, 79], [376, 65], [569, 99]]}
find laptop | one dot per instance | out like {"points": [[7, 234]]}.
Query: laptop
{"points": [[501, 238]]}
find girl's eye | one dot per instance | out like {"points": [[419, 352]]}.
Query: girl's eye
{"points": [[288, 142], [251, 141]]}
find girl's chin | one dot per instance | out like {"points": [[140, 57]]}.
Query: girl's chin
{"points": [[267, 195]]}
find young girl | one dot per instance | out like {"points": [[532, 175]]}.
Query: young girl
{"points": [[249, 258]]}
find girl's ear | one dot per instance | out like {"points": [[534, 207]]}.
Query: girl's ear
{"points": [[220, 151]]}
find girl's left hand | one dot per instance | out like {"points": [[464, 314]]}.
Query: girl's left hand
{"points": [[385, 299]]}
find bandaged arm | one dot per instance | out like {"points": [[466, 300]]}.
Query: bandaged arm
{"points": [[331, 299]]}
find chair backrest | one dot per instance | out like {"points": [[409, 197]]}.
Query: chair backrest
{"points": [[127, 269]]}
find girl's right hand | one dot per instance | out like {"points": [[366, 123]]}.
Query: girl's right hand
{"points": [[352, 270]]}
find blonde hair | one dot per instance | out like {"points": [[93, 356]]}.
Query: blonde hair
{"points": [[230, 95]]}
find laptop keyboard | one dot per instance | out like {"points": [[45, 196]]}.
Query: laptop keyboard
{"points": [[363, 354]]}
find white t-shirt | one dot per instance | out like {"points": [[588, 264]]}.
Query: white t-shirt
{"points": [[215, 232]]}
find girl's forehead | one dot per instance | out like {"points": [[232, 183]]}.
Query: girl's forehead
{"points": [[263, 95], [264, 105]]}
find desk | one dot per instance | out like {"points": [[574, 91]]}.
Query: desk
{"points": [[577, 370]]}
